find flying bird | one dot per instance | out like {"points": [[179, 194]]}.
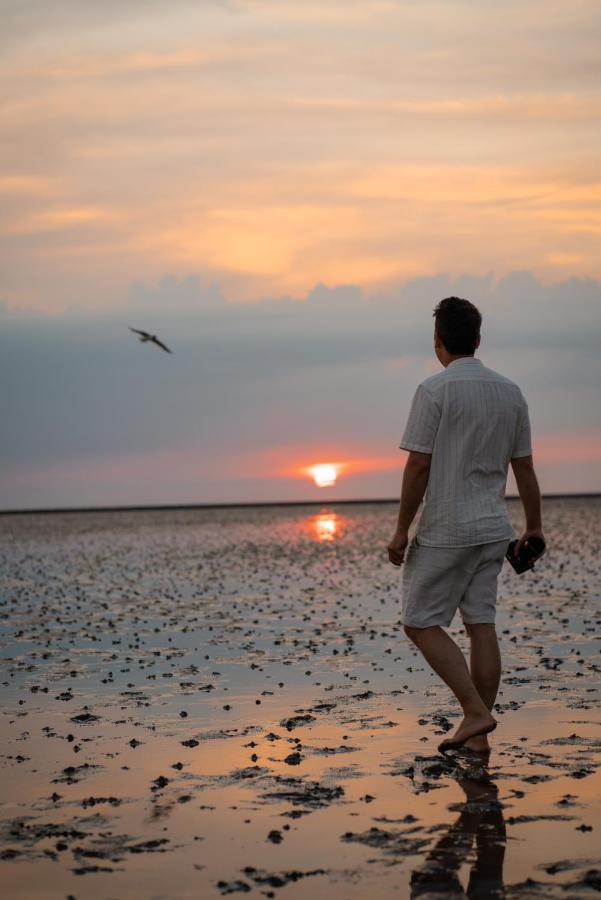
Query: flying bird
{"points": [[144, 336]]}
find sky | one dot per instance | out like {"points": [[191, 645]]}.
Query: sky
{"points": [[283, 192]]}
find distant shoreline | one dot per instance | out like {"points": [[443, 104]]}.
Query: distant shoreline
{"points": [[243, 505]]}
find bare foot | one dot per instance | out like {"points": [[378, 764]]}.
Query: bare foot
{"points": [[478, 744], [472, 726]]}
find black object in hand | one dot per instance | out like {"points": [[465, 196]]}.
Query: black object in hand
{"points": [[530, 549]]}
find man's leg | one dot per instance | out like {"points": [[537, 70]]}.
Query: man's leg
{"points": [[447, 660], [478, 610], [485, 666]]}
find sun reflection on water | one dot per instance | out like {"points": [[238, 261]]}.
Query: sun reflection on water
{"points": [[325, 526]]}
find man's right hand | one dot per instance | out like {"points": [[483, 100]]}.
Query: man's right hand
{"points": [[529, 533], [397, 546]]}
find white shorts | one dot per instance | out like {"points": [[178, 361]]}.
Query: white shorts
{"points": [[439, 580]]}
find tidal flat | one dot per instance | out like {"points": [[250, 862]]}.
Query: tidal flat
{"points": [[212, 702]]}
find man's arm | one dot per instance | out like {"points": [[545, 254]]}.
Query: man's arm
{"points": [[418, 438], [529, 491], [415, 481]]}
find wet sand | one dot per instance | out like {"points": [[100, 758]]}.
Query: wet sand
{"points": [[202, 703]]}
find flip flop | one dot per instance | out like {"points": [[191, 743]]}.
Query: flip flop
{"points": [[449, 744]]}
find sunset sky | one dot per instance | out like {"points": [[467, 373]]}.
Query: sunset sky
{"points": [[283, 191]]}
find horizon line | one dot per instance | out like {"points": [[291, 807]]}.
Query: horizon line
{"points": [[244, 504]]}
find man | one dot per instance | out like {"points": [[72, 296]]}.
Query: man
{"points": [[465, 426]]}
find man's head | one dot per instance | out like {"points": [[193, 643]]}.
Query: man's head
{"points": [[456, 328]]}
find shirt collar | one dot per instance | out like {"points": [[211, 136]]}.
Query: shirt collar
{"points": [[467, 361]]}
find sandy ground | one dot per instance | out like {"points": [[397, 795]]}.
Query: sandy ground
{"points": [[210, 702]]}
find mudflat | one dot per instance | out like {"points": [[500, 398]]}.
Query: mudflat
{"points": [[198, 703]]}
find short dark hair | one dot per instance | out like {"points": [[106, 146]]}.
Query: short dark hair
{"points": [[457, 323]]}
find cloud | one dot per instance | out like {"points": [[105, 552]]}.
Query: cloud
{"points": [[61, 220], [282, 380], [172, 293], [151, 137], [303, 211], [25, 184]]}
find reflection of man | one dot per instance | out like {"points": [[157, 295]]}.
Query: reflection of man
{"points": [[465, 425], [481, 817]]}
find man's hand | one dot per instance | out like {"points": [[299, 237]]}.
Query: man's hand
{"points": [[529, 533], [397, 546]]}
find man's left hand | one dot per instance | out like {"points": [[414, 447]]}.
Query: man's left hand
{"points": [[397, 547]]}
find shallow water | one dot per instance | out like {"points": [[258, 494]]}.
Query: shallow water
{"points": [[199, 703]]}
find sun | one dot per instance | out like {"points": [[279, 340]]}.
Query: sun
{"points": [[324, 474]]}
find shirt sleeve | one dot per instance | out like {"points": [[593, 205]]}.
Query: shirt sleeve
{"points": [[422, 424], [522, 444]]}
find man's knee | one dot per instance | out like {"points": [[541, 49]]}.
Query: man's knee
{"points": [[412, 633], [475, 630]]}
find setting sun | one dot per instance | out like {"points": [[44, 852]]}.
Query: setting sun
{"points": [[324, 474]]}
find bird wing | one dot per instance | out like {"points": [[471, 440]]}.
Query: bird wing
{"points": [[160, 344], [137, 330]]}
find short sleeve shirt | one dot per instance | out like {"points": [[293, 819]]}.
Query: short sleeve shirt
{"points": [[472, 420]]}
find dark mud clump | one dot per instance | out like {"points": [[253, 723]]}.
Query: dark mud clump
{"points": [[311, 794], [391, 841]]}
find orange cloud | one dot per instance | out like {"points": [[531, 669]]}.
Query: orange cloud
{"points": [[231, 155], [528, 106], [577, 446], [25, 184], [61, 220]]}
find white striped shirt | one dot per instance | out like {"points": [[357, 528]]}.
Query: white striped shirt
{"points": [[473, 421]]}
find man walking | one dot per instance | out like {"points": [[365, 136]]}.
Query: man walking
{"points": [[466, 424]]}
